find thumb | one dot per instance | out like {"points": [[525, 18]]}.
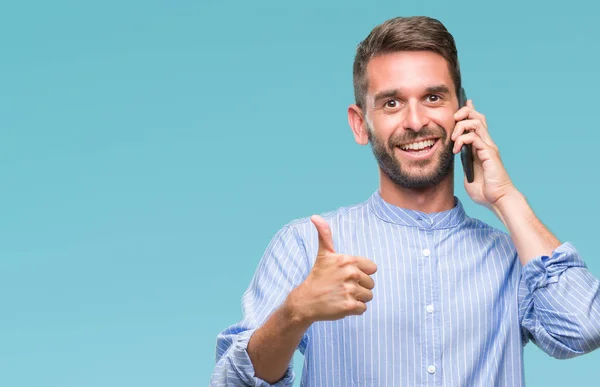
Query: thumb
{"points": [[325, 240]]}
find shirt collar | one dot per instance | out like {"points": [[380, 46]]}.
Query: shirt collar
{"points": [[412, 218]]}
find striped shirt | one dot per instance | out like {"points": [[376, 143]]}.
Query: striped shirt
{"points": [[452, 306]]}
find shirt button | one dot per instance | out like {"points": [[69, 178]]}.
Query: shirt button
{"points": [[430, 309], [431, 369], [426, 252]]}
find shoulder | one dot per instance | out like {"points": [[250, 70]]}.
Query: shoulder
{"points": [[340, 220], [335, 219], [489, 235]]}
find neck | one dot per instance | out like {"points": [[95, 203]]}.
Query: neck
{"points": [[436, 198]]}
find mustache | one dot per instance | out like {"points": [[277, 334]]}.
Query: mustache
{"points": [[425, 132]]}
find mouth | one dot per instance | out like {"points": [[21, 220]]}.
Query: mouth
{"points": [[419, 150]]}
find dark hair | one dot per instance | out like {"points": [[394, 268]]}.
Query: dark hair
{"points": [[414, 33]]}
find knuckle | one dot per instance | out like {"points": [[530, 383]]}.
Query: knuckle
{"points": [[322, 236], [346, 259], [349, 305], [354, 275], [348, 288]]}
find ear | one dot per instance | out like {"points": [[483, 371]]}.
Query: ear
{"points": [[358, 125]]}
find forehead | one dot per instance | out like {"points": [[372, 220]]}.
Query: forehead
{"points": [[407, 71]]}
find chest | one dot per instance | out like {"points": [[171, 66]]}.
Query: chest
{"points": [[430, 287]]}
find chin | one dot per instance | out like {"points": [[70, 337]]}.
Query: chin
{"points": [[420, 178]]}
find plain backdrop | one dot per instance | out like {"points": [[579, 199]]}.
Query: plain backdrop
{"points": [[149, 150]]}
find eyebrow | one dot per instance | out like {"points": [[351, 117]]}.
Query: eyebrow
{"points": [[385, 94], [440, 89]]}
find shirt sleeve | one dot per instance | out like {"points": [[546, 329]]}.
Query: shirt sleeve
{"points": [[283, 267], [559, 304]]}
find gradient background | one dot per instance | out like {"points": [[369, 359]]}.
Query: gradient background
{"points": [[149, 150]]}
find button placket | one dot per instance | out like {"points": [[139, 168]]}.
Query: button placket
{"points": [[429, 260]]}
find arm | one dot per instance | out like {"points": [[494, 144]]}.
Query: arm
{"points": [[531, 238], [559, 304], [559, 299], [282, 267], [272, 346], [336, 286]]}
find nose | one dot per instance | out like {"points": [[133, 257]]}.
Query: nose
{"points": [[416, 116]]}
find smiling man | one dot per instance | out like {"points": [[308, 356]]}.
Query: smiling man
{"points": [[426, 150], [405, 289]]}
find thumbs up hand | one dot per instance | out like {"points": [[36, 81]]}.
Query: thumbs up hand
{"points": [[338, 285]]}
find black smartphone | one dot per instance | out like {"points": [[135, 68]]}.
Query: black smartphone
{"points": [[466, 152]]}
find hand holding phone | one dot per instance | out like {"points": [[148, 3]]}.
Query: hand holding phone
{"points": [[466, 152]]}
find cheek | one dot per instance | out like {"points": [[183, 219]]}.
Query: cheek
{"points": [[449, 128], [385, 125], [447, 122]]}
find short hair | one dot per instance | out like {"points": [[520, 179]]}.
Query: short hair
{"points": [[414, 33]]}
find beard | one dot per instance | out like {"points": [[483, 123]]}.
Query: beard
{"points": [[443, 162]]}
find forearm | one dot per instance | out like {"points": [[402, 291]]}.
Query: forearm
{"points": [[560, 303], [531, 238], [560, 298], [272, 346]]}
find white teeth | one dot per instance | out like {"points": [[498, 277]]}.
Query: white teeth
{"points": [[417, 145]]}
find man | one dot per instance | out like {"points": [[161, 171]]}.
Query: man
{"points": [[456, 300]]}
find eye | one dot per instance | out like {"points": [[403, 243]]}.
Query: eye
{"points": [[391, 104], [433, 98]]}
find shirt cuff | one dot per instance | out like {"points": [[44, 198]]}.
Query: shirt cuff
{"points": [[241, 363], [545, 270]]}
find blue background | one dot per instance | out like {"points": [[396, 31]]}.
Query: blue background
{"points": [[149, 150]]}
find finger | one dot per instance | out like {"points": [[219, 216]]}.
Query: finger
{"points": [[469, 112], [358, 308], [365, 281], [324, 233], [363, 295], [474, 114], [465, 126], [470, 138], [462, 113], [475, 125], [366, 265]]}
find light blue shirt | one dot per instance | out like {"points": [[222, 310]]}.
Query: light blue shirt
{"points": [[452, 306]]}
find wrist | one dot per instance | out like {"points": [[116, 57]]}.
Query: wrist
{"points": [[293, 311], [511, 198]]}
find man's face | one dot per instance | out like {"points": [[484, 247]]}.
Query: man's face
{"points": [[409, 109]]}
